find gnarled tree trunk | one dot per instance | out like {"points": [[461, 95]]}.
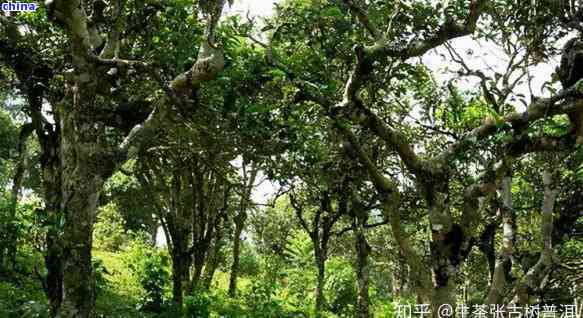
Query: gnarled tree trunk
{"points": [[82, 156]]}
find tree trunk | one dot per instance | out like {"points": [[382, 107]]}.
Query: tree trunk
{"points": [[504, 263], [54, 280], [445, 246], [321, 279], [210, 269], [78, 280], [537, 277], [8, 253], [239, 222], [239, 226], [214, 258], [199, 260], [52, 192], [362, 275], [180, 266], [154, 232], [209, 273], [84, 161], [400, 278], [420, 281]]}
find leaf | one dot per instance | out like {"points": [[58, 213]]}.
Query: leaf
{"points": [[277, 73], [333, 12]]}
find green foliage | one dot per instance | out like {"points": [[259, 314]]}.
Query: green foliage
{"points": [[130, 201], [149, 266], [300, 250], [470, 112], [272, 227], [18, 302], [261, 299], [197, 306], [99, 272], [21, 294], [340, 288], [249, 263], [110, 233], [8, 136]]}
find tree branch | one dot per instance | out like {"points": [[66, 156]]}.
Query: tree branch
{"points": [[562, 103], [210, 60], [363, 18]]}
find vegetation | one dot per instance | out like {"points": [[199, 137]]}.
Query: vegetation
{"points": [[338, 158]]}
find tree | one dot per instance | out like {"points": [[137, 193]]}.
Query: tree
{"points": [[192, 200], [249, 178], [385, 55], [86, 156]]}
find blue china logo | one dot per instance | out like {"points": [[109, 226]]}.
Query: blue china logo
{"points": [[19, 6]]}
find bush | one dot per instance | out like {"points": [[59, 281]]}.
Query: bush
{"points": [[261, 300], [197, 306], [149, 266], [249, 261], [23, 301], [99, 272], [110, 233], [340, 289]]}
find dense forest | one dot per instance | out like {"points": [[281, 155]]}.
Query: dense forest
{"points": [[333, 158]]}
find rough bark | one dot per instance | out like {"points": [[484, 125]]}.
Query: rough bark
{"points": [[54, 279], [180, 272], [198, 265], [446, 240], [82, 156], [52, 192]]}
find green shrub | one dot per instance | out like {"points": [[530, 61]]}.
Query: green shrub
{"points": [[149, 266], [22, 301], [110, 234], [197, 305], [99, 272], [34, 309], [263, 302], [226, 307], [340, 288]]}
